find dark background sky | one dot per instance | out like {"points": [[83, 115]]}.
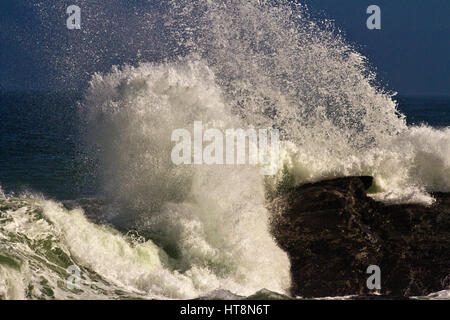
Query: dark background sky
{"points": [[410, 53]]}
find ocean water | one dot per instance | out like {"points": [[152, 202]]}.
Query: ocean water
{"points": [[88, 188]]}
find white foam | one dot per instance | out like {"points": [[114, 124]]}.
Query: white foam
{"points": [[212, 217]]}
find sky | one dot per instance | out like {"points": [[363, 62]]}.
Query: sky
{"points": [[410, 52]]}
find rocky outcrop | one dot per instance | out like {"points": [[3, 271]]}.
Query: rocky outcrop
{"points": [[332, 231]]}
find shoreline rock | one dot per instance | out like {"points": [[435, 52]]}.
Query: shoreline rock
{"points": [[332, 231]]}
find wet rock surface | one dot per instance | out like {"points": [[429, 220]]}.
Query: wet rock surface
{"points": [[332, 231]]}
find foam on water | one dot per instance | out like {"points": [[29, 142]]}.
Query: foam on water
{"points": [[41, 239]]}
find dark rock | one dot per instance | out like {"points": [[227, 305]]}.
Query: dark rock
{"points": [[332, 231]]}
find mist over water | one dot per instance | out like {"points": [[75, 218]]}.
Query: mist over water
{"points": [[230, 64]]}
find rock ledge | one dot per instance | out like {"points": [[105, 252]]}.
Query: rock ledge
{"points": [[332, 231]]}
